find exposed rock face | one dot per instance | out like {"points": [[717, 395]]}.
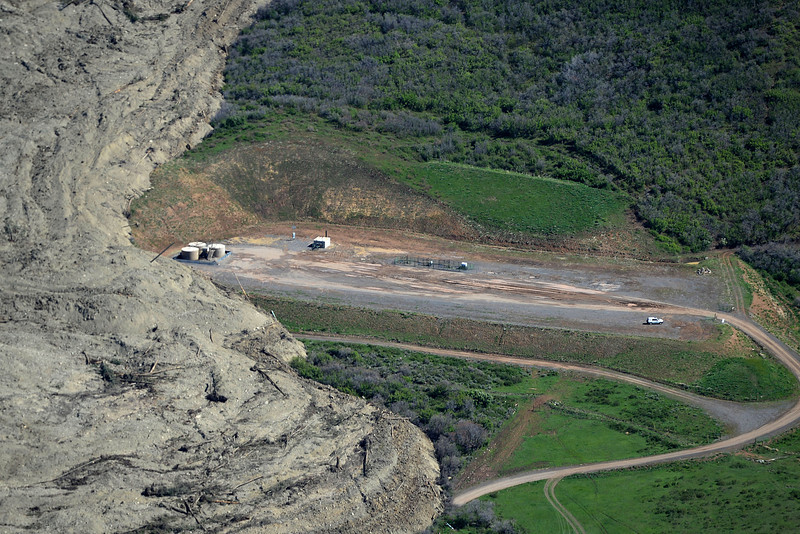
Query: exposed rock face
{"points": [[135, 394]]}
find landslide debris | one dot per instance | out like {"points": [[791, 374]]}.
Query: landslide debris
{"points": [[135, 395]]}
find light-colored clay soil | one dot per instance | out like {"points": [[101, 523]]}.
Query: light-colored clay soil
{"points": [[135, 396]]}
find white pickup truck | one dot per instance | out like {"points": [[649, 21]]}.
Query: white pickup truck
{"points": [[654, 320]]}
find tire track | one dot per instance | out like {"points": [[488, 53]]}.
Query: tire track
{"points": [[550, 494], [730, 275]]}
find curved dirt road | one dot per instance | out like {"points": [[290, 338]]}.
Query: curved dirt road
{"points": [[550, 494], [789, 419]]}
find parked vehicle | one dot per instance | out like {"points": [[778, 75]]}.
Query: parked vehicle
{"points": [[654, 320]]}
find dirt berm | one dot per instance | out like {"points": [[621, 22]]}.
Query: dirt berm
{"points": [[135, 395]]}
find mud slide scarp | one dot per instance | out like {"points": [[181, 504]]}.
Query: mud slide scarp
{"points": [[135, 394]]}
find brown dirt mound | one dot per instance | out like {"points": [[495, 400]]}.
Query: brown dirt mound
{"points": [[310, 179], [281, 181]]}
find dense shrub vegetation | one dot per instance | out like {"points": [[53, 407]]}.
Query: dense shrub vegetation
{"points": [[476, 517], [449, 399], [691, 107], [780, 261]]}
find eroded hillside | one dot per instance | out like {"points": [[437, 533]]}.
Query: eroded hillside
{"points": [[136, 395], [281, 181]]}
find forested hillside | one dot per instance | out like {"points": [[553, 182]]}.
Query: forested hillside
{"points": [[693, 108]]}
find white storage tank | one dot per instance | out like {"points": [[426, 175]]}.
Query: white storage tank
{"points": [[190, 253], [216, 250]]}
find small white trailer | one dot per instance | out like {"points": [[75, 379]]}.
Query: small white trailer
{"points": [[320, 242]]}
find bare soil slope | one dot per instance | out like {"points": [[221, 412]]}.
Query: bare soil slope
{"points": [[282, 180], [310, 177], [134, 394]]}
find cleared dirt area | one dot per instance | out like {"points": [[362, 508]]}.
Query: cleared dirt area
{"points": [[499, 285]]}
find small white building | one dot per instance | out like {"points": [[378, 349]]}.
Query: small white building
{"points": [[321, 242]]}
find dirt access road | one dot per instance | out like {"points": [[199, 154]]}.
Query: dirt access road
{"points": [[787, 420], [737, 417], [550, 494], [538, 290]]}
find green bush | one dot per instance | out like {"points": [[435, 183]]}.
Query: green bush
{"points": [[752, 379]]}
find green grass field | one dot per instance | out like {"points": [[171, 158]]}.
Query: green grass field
{"points": [[518, 202], [569, 440], [755, 491], [751, 379], [595, 420]]}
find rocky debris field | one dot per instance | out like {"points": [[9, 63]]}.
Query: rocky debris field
{"points": [[135, 394]]}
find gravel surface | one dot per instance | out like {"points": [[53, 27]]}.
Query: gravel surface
{"points": [[539, 293], [549, 291]]}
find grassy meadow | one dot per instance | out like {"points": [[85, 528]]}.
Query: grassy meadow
{"points": [[588, 420], [518, 202], [752, 491]]}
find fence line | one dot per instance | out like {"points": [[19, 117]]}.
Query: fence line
{"points": [[432, 263]]}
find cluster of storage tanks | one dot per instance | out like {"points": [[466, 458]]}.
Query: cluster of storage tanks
{"points": [[198, 250]]}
